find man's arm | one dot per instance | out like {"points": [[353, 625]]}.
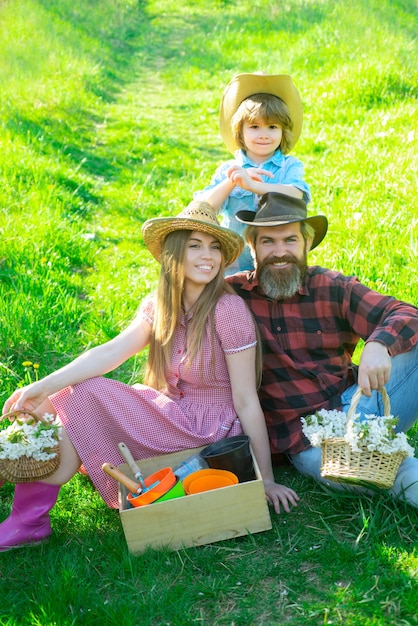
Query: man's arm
{"points": [[374, 367]]}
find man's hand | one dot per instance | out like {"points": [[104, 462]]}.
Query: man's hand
{"points": [[374, 368]]}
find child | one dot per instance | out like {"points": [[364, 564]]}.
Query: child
{"points": [[260, 122]]}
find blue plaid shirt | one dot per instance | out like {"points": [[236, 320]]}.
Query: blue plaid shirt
{"points": [[286, 170]]}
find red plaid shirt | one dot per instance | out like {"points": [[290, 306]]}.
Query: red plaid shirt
{"points": [[309, 339]]}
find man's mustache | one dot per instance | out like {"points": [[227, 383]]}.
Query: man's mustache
{"points": [[275, 259]]}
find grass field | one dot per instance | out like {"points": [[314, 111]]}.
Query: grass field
{"points": [[109, 116]]}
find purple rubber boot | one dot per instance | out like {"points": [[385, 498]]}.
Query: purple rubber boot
{"points": [[29, 524]]}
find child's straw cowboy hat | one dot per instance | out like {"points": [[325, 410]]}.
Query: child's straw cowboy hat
{"points": [[198, 216], [244, 85]]}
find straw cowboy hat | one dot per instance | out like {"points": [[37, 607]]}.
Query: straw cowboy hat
{"points": [[199, 216], [277, 209], [244, 85]]}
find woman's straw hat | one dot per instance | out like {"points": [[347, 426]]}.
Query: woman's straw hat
{"points": [[199, 216], [243, 86]]}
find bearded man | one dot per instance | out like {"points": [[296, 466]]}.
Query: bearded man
{"points": [[310, 320]]}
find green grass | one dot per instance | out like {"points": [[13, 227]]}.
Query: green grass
{"points": [[109, 116]]}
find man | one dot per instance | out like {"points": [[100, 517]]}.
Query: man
{"points": [[310, 320]]}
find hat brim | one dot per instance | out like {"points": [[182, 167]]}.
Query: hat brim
{"points": [[244, 85], [154, 232], [318, 222]]}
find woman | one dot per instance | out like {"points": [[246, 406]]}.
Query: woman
{"points": [[200, 383]]}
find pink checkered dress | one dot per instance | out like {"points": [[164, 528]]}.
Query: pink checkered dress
{"points": [[196, 408]]}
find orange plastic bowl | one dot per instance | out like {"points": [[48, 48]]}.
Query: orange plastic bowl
{"points": [[207, 479], [165, 480]]}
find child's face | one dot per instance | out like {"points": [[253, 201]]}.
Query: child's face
{"points": [[261, 139]]}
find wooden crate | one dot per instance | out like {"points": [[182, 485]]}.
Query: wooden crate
{"points": [[196, 519]]}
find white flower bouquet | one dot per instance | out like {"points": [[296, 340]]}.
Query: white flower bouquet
{"points": [[29, 448], [375, 433], [356, 450]]}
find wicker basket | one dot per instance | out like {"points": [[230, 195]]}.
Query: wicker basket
{"points": [[341, 464], [26, 469]]}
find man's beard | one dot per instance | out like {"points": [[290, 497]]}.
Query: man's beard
{"points": [[281, 282]]}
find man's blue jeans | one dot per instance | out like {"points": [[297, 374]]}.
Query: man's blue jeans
{"points": [[402, 389]]}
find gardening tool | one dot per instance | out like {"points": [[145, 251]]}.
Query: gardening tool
{"points": [[115, 473], [126, 453], [138, 496]]}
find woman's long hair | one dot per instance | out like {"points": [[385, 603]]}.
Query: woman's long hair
{"points": [[168, 310]]}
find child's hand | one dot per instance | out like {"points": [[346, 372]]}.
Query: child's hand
{"points": [[246, 177]]}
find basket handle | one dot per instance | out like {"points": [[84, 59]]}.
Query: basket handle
{"points": [[25, 412], [356, 397]]}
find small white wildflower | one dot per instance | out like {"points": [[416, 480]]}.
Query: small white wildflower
{"points": [[30, 440], [373, 433], [323, 425]]}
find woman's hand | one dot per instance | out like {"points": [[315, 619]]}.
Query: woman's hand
{"points": [[95, 362], [29, 397], [280, 495]]}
